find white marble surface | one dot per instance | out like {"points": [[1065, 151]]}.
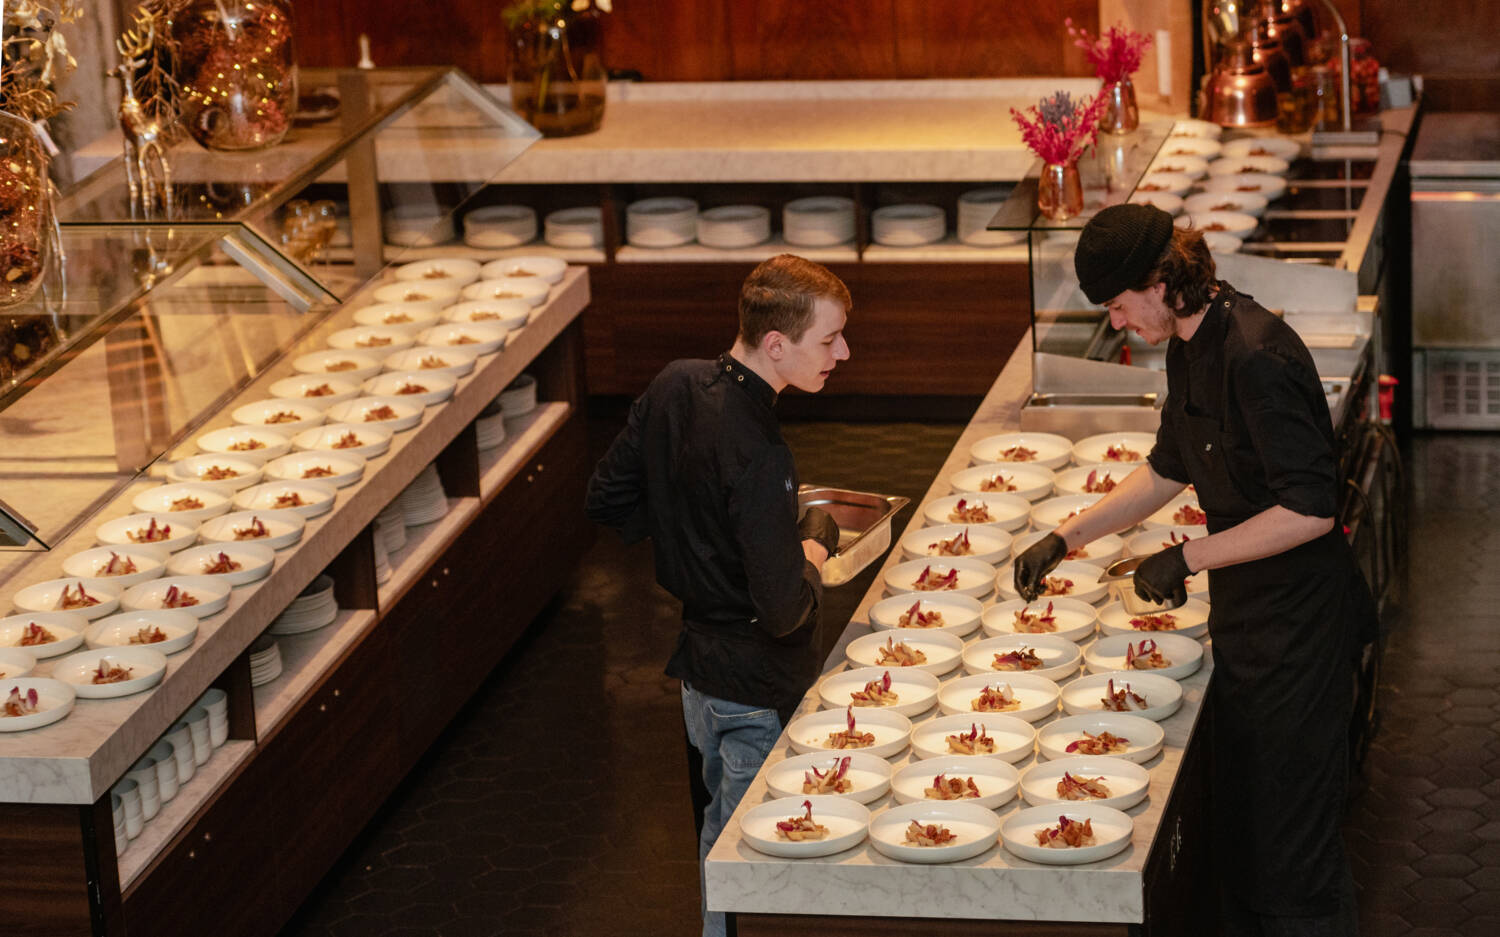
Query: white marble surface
{"points": [[994, 884]]}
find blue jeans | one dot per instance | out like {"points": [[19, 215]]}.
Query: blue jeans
{"points": [[734, 739]]}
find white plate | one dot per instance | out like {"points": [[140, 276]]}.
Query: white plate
{"points": [[1129, 449], [1004, 511], [482, 338], [960, 612], [1233, 223], [1060, 656], [984, 542], [1037, 696], [48, 596], [1086, 694], [1015, 739], [15, 662], [1191, 620], [212, 593], [1155, 539], [575, 227], [426, 388], [1168, 515], [425, 359], [337, 363], [1283, 148], [319, 390], [1194, 167], [1170, 183], [848, 822], [66, 627], [996, 780], [117, 630], [160, 500], [498, 226], [316, 497], [942, 650], [507, 313], [1050, 513], [527, 289], [1166, 201], [521, 266], [1220, 243], [916, 690], [54, 701], [1074, 481], [1201, 147], [359, 410], [1247, 203], [1143, 738], [146, 666], [431, 294], [195, 469], [288, 417], [974, 579], [374, 339], [1241, 165], [283, 528], [1046, 449], [869, 777], [411, 318], [1271, 187], [346, 467], [1112, 830], [1127, 781], [977, 830], [1031, 481], [372, 439], [451, 271], [1100, 552], [1084, 578], [809, 732], [1189, 127], [1185, 653], [255, 560], [225, 441], [1075, 620], [86, 565]]}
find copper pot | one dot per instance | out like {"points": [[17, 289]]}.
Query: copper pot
{"points": [[1240, 92], [1268, 53], [1285, 28]]}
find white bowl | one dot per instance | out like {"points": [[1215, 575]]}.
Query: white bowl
{"points": [[450, 271], [977, 830], [847, 820], [1060, 656], [960, 612], [1083, 578], [1143, 738], [1283, 148], [983, 542], [1051, 512], [406, 414], [255, 561], [809, 732], [1111, 828], [1100, 552], [315, 497], [1245, 203], [146, 666], [526, 289], [1045, 449], [432, 294], [509, 314], [1118, 448], [283, 528], [54, 701], [916, 690], [337, 363], [1128, 782], [288, 417], [1013, 739], [995, 779], [424, 387], [1201, 147], [970, 577], [1171, 183], [232, 440], [408, 317], [1036, 696], [160, 500], [1232, 223], [369, 439], [1240, 165], [1166, 201], [319, 390], [1191, 620], [1077, 480], [1268, 186], [375, 339], [1155, 539], [942, 650], [1005, 511], [522, 266], [1190, 127], [1085, 695], [482, 338], [1028, 480], [1194, 167], [336, 468], [212, 593], [15, 662], [868, 777], [454, 362], [197, 469], [87, 565], [66, 627], [1184, 654], [48, 597], [123, 630], [1075, 620]]}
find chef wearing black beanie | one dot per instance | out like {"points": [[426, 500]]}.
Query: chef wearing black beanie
{"points": [[1246, 424]]}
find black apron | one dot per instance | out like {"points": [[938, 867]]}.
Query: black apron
{"points": [[1281, 697]]}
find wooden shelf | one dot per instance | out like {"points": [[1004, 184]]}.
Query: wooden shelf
{"points": [[524, 435], [702, 253], [304, 659], [949, 250], [424, 544]]}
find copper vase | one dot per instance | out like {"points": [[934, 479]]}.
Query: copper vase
{"points": [[1059, 191], [1121, 115]]}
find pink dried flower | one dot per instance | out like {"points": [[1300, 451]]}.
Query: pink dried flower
{"points": [[1057, 129], [1116, 54]]}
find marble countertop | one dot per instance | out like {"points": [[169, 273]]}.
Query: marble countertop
{"points": [[995, 884]]}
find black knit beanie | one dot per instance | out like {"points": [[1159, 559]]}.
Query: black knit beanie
{"points": [[1118, 247]]}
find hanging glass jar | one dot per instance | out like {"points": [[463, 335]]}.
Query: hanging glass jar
{"points": [[26, 221], [1059, 191], [238, 71], [1121, 115], [557, 76]]}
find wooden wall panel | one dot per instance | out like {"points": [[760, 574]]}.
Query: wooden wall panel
{"points": [[668, 41], [983, 38], [792, 39], [1447, 39]]}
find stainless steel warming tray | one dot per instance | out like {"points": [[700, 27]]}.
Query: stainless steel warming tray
{"points": [[864, 520]]}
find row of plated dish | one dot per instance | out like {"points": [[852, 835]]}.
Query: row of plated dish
{"points": [[938, 671], [138, 597]]}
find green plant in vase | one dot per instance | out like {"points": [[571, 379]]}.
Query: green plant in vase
{"points": [[557, 76]]}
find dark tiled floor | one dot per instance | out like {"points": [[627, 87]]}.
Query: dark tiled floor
{"points": [[454, 853]]}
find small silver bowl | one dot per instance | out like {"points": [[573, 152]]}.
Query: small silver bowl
{"points": [[1123, 572]]}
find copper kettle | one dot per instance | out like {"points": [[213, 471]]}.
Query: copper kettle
{"points": [[1269, 53], [1240, 92]]}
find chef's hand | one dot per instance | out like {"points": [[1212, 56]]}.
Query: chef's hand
{"points": [[816, 525], [1162, 577], [1039, 559]]}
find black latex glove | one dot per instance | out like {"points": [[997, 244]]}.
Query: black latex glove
{"points": [[1163, 577], [1039, 559], [816, 525]]}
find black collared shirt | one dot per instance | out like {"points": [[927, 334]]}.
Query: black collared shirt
{"points": [[702, 470]]}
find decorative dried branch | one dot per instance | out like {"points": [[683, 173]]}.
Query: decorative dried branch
{"points": [[150, 42]]}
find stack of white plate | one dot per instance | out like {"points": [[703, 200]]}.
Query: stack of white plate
{"points": [[390, 526], [734, 226], [265, 660], [423, 501], [976, 209], [490, 430], [661, 222], [819, 221], [500, 226], [519, 398], [575, 227], [315, 608], [382, 558], [418, 225], [907, 225]]}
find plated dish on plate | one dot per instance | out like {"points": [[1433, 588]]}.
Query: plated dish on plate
{"points": [[1112, 782], [1045, 655], [365, 440], [532, 290], [349, 365], [858, 775], [424, 387], [105, 673], [200, 596], [936, 652], [1189, 620], [1116, 735], [934, 611], [958, 575], [411, 317], [288, 417], [454, 271], [237, 562], [878, 732], [454, 362], [275, 529], [165, 631], [934, 831], [1064, 618], [986, 782], [1045, 835], [33, 702], [1070, 579], [43, 634], [87, 599], [320, 390], [1051, 512], [189, 503], [546, 269], [1024, 480], [220, 471], [394, 413], [804, 827], [482, 338], [985, 543], [1022, 695], [336, 467], [1118, 448], [1045, 449], [1100, 552], [251, 443], [1171, 655], [1005, 511], [905, 690], [1147, 695], [307, 498], [974, 735]]}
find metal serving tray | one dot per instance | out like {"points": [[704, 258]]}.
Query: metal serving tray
{"points": [[864, 520]]}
